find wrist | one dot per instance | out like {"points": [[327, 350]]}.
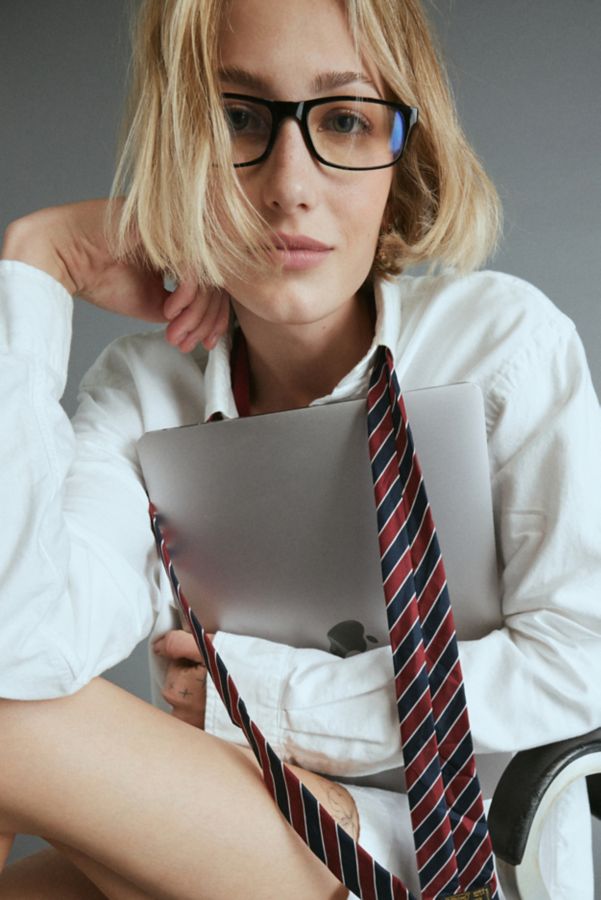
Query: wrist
{"points": [[26, 240]]}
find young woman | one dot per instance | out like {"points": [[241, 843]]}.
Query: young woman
{"points": [[253, 214]]}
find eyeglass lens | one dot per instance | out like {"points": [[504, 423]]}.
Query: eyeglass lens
{"points": [[347, 133]]}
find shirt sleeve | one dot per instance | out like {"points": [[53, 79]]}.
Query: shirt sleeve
{"points": [[327, 714], [529, 683], [536, 680], [79, 576]]}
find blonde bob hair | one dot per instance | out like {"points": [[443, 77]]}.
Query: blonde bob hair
{"points": [[181, 195]]}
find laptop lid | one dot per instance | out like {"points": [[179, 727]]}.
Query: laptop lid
{"points": [[271, 524]]}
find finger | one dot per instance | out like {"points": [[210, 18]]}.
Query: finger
{"points": [[179, 299], [221, 323], [185, 683], [185, 322], [199, 320], [211, 327], [178, 644], [185, 692], [188, 320]]}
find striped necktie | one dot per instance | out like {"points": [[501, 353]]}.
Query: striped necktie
{"points": [[453, 849]]}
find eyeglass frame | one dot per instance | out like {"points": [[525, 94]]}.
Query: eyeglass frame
{"points": [[299, 111]]}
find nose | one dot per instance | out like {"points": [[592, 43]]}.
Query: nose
{"points": [[289, 173]]}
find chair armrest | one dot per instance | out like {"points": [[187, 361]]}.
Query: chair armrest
{"points": [[594, 793], [530, 784]]}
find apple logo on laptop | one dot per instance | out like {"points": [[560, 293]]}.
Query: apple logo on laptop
{"points": [[348, 638]]}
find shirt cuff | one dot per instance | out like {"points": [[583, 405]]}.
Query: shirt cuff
{"points": [[258, 669], [36, 317]]}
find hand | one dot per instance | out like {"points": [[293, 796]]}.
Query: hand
{"points": [[69, 242], [185, 691], [185, 687]]}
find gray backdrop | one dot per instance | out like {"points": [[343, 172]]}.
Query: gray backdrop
{"points": [[526, 77]]}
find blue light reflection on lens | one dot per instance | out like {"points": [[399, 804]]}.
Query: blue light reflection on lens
{"points": [[398, 134]]}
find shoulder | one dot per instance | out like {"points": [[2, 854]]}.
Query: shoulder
{"points": [[141, 373], [143, 350], [480, 326], [483, 298]]}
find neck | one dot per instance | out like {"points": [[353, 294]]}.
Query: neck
{"points": [[292, 365]]}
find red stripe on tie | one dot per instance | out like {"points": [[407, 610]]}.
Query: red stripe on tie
{"points": [[399, 891], [420, 710], [442, 878], [402, 626], [423, 807], [454, 735], [389, 531], [436, 698], [234, 700], [382, 485], [430, 596], [422, 538], [381, 435], [297, 812], [412, 486], [389, 476], [267, 776], [330, 842], [421, 760], [458, 781], [432, 844], [366, 875], [397, 577], [471, 875]]}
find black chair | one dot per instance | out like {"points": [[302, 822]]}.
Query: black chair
{"points": [[530, 784]]}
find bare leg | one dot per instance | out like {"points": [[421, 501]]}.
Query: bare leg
{"points": [[49, 875], [6, 843], [170, 809]]}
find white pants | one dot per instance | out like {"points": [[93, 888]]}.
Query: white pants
{"points": [[565, 850]]}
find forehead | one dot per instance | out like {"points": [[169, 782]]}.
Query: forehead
{"points": [[289, 46]]}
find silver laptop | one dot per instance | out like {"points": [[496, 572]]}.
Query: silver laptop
{"points": [[272, 527], [271, 523]]}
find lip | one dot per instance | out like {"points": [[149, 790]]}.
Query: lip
{"points": [[297, 251], [299, 242]]}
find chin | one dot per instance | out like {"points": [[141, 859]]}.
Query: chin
{"points": [[287, 305]]}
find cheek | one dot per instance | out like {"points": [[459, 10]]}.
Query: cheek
{"points": [[362, 207]]}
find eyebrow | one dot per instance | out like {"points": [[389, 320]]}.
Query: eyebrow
{"points": [[325, 81]]}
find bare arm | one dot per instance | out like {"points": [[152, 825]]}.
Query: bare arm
{"points": [[69, 242]]}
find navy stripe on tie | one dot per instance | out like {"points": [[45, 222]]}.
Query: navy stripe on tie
{"points": [[314, 835], [348, 857]]}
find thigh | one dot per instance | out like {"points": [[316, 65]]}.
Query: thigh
{"points": [[47, 874], [176, 812]]}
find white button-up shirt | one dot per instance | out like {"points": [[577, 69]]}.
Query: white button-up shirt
{"points": [[81, 584]]}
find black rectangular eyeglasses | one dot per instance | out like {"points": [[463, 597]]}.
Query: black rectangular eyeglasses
{"points": [[355, 133]]}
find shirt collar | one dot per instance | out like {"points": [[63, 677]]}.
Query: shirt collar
{"points": [[219, 398]]}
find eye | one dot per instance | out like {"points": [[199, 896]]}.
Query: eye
{"points": [[246, 119], [342, 121]]}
